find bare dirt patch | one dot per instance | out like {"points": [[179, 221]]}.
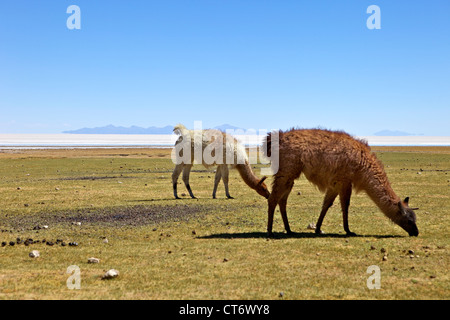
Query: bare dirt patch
{"points": [[154, 153], [138, 215], [91, 178]]}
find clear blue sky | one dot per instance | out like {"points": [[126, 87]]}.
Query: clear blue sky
{"points": [[250, 63]]}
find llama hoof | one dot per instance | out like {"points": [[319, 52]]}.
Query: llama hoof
{"points": [[177, 197], [230, 197], [270, 235], [319, 232], [351, 234]]}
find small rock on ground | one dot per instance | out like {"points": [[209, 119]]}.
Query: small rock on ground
{"points": [[311, 226], [110, 274], [34, 254], [93, 260]]}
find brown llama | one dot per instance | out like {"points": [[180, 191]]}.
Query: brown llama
{"points": [[335, 162], [233, 154]]}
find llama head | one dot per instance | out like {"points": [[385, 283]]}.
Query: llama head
{"points": [[262, 189], [407, 217]]}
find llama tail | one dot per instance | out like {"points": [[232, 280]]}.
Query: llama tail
{"points": [[268, 143]]}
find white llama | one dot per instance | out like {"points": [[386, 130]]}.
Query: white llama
{"points": [[212, 148]]}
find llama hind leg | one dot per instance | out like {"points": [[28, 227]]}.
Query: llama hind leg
{"points": [[186, 173], [278, 190], [175, 175], [344, 197], [327, 203], [225, 172]]}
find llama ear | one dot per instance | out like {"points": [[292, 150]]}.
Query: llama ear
{"points": [[406, 201], [262, 180]]}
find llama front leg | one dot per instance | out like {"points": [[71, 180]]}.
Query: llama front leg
{"points": [[217, 178], [186, 173], [272, 205], [175, 175], [344, 197], [327, 203]]}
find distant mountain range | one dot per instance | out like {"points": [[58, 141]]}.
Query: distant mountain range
{"points": [[110, 129], [394, 133]]}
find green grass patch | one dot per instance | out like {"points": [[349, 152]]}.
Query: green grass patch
{"points": [[211, 248]]}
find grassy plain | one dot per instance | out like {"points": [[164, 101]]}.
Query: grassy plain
{"points": [[211, 249]]}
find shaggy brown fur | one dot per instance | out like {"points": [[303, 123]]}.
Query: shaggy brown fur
{"points": [[334, 162], [230, 144]]}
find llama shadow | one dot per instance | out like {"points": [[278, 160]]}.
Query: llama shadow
{"points": [[294, 235]]}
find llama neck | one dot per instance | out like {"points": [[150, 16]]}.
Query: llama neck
{"points": [[378, 188], [247, 174]]}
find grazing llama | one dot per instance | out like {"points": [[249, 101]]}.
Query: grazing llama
{"points": [[233, 154], [334, 162]]}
